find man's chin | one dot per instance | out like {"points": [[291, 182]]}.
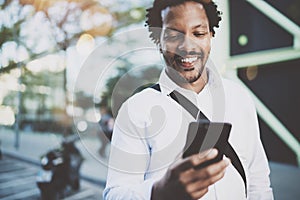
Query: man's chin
{"points": [[192, 79], [191, 76], [182, 75], [176, 76]]}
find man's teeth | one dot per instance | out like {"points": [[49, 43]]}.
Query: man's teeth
{"points": [[189, 60]]}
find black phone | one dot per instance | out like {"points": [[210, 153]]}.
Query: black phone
{"points": [[203, 135]]}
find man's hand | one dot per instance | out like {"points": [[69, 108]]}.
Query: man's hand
{"points": [[182, 181]]}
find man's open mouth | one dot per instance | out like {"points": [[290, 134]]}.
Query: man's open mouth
{"points": [[187, 63]]}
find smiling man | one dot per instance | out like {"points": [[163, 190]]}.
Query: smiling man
{"points": [[151, 129], [185, 43]]}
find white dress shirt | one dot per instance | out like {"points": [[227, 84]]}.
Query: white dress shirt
{"points": [[150, 134]]}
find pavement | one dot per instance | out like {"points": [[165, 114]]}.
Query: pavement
{"points": [[285, 179], [18, 181], [33, 145]]}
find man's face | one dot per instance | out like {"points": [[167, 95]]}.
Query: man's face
{"points": [[185, 39]]}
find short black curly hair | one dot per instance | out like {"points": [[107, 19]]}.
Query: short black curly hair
{"points": [[154, 19]]}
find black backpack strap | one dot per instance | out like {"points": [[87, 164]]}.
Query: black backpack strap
{"points": [[185, 103], [230, 153], [156, 87], [197, 114]]}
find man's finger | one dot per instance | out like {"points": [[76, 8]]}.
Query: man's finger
{"points": [[199, 194], [214, 169], [201, 184], [204, 156], [204, 173], [193, 161]]}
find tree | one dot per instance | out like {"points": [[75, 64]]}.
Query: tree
{"points": [[67, 20], [60, 24]]}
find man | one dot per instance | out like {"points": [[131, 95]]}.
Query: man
{"points": [[151, 128]]}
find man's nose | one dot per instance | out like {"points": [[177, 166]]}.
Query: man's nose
{"points": [[187, 44]]}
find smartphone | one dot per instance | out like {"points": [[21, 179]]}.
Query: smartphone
{"points": [[203, 135]]}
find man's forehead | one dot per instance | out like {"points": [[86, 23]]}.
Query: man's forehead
{"points": [[165, 12]]}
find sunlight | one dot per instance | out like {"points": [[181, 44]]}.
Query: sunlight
{"points": [[9, 114], [85, 44]]}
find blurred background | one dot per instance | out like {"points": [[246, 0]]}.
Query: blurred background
{"points": [[45, 43]]}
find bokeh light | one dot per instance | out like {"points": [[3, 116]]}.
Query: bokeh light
{"points": [[85, 44], [7, 116]]}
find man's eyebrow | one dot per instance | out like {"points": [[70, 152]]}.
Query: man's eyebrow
{"points": [[172, 29], [199, 26], [194, 27]]}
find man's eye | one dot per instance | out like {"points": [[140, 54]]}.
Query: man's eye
{"points": [[199, 34], [172, 37]]}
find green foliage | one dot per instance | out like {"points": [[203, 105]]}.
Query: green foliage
{"points": [[66, 28], [5, 4], [129, 17], [63, 31]]}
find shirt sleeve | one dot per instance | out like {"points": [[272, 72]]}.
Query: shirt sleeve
{"points": [[258, 169], [129, 159]]}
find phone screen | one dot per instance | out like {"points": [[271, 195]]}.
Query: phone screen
{"points": [[203, 135]]}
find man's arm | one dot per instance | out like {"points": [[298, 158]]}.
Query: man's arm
{"points": [[259, 181], [257, 164], [128, 162]]}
